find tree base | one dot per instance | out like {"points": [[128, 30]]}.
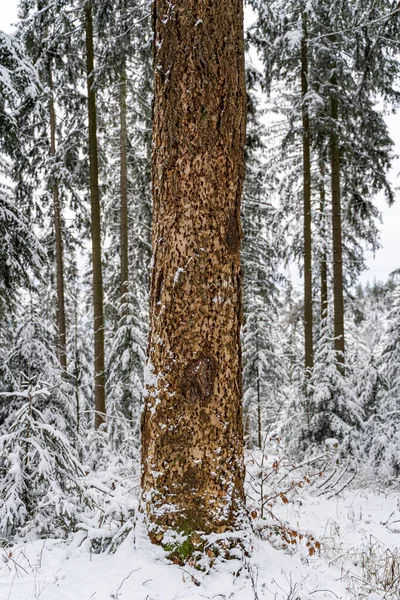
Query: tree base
{"points": [[200, 550]]}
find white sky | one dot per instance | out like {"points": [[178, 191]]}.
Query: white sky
{"points": [[388, 257]]}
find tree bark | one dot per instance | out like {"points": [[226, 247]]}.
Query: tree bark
{"points": [[124, 247], [192, 430], [308, 301], [98, 312], [259, 424], [76, 364], [62, 352], [338, 304], [323, 264]]}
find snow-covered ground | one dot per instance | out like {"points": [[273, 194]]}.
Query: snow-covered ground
{"points": [[359, 532]]}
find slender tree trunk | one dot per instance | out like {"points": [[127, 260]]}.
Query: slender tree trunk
{"points": [[247, 430], [308, 302], [192, 431], [62, 353], [124, 275], [338, 304], [98, 312], [77, 365], [76, 377], [323, 265], [259, 426]]}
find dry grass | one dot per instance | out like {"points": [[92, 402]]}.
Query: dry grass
{"points": [[371, 568]]}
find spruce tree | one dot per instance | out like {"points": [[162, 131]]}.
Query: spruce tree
{"points": [[21, 254], [263, 370], [41, 478], [343, 80], [192, 440], [124, 100], [97, 274], [47, 31], [382, 427]]}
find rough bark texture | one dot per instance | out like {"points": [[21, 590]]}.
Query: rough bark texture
{"points": [[123, 142], [338, 305], [308, 302], [192, 421], [98, 313], [62, 353]]}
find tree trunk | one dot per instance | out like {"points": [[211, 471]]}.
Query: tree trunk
{"points": [[338, 305], [308, 302], [247, 430], [259, 424], [323, 265], [62, 353], [124, 275], [76, 365], [98, 313], [192, 431]]}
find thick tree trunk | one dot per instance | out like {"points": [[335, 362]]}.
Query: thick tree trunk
{"points": [[308, 302], [62, 352], [338, 304], [192, 431], [123, 142], [98, 313]]}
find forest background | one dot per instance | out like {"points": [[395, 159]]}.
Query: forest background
{"points": [[63, 473], [380, 264]]}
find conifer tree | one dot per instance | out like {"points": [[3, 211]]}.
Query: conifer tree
{"points": [[41, 488], [382, 427], [124, 84], [192, 422], [98, 309], [286, 59], [21, 254], [32, 356], [47, 31], [335, 411], [308, 295], [263, 372], [342, 83]]}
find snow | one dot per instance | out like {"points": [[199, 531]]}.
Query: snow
{"points": [[348, 526], [293, 39], [177, 275], [331, 442]]}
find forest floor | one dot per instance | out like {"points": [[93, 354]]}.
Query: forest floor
{"points": [[355, 533]]}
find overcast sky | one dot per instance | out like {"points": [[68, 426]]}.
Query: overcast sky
{"points": [[388, 257]]}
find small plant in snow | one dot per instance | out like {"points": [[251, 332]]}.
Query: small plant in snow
{"points": [[371, 569], [114, 514], [273, 478], [41, 487]]}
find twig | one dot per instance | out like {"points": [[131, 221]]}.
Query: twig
{"points": [[329, 592], [323, 484], [192, 577], [9, 557], [303, 464], [116, 596], [342, 488]]}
